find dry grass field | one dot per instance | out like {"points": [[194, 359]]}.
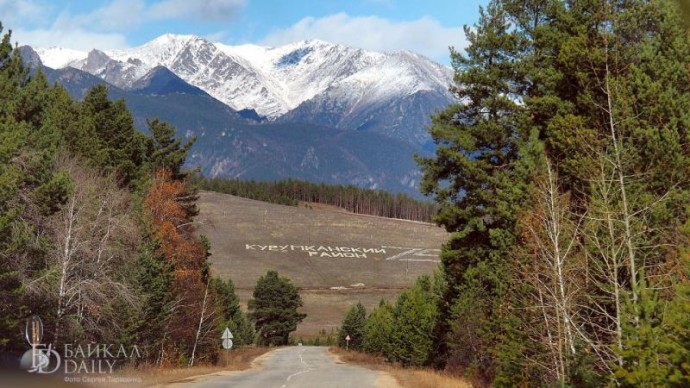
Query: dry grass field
{"points": [[405, 377], [337, 258]]}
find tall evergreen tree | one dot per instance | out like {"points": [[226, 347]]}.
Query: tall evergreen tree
{"points": [[478, 176], [353, 326], [378, 330], [120, 147], [273, 309], [168, 152], [603, 85], [232, 316], [415, 315], [30, 189]]}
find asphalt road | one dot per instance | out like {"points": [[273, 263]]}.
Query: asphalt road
{"points": [[299, 366]]}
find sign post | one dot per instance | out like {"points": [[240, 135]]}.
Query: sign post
{"points": [[226, 341], [347, 342]]}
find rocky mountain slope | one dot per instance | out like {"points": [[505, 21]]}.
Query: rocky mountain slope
{"points": [[310, 110], [309, 81]]}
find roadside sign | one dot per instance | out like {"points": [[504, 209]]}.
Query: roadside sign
{"points": [[227, 339], [347, 342]]}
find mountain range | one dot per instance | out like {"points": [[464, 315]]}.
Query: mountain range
{"points": [[310, 110]]}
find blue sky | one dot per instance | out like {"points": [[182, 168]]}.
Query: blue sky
{"points": [[424, 26]]}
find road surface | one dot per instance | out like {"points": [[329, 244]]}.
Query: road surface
{"points": [[298, 366]]}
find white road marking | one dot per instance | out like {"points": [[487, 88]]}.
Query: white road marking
{"points": [[300, 372]]}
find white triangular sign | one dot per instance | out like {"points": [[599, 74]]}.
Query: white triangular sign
{"points": [[227, 334]]}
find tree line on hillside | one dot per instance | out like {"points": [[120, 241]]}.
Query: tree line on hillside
{"points": [[97, 231], [351, 198], [564, 180]]}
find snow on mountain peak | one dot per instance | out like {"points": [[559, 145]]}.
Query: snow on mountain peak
{"points": [[156, 52], [58, 57], [270, 80]]}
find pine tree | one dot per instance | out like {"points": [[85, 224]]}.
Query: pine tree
{"points": [[479, 175], [119, 146], [30, 190], [231, 315], [273, 309], [676, 327], [168, 152], [378, 330], [629, 65], [244, 329], [415, 314], [353, 326], [154, 277]]}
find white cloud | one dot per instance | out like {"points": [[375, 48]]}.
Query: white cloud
{"points": [[118, 15], [209, 10], [13, 12], [105, 27], [77, 38], [218, 36], [425, 36]]}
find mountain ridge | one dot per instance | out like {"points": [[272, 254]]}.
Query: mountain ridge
{"points": [[361, 118], [297, 81]]}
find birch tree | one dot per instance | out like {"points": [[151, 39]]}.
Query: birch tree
{"points": [[95, 240], [207, 323], [639, 185], [554, 271]]}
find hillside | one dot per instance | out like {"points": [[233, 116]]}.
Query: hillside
{"points": [[337, 258]]}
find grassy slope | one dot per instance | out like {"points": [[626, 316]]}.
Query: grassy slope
{"points": [[231, 223]]}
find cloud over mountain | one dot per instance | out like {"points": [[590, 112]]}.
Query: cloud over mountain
{"points": [[209, 10], [425, 35]]}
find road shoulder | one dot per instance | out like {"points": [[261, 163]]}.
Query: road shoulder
{"points": [[383, 378], [255, 365]]}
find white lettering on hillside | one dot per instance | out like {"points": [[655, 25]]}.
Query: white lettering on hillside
{"points": [[319, 250], [326, 251]]}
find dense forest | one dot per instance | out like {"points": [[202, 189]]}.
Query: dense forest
{"points": [[351, 198], [564, 180], [96, 231]]}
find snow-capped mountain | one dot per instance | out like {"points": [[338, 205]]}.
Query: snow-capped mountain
{"points": [[310, 81], [302, 70], [394, 96], [59, 57]]}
